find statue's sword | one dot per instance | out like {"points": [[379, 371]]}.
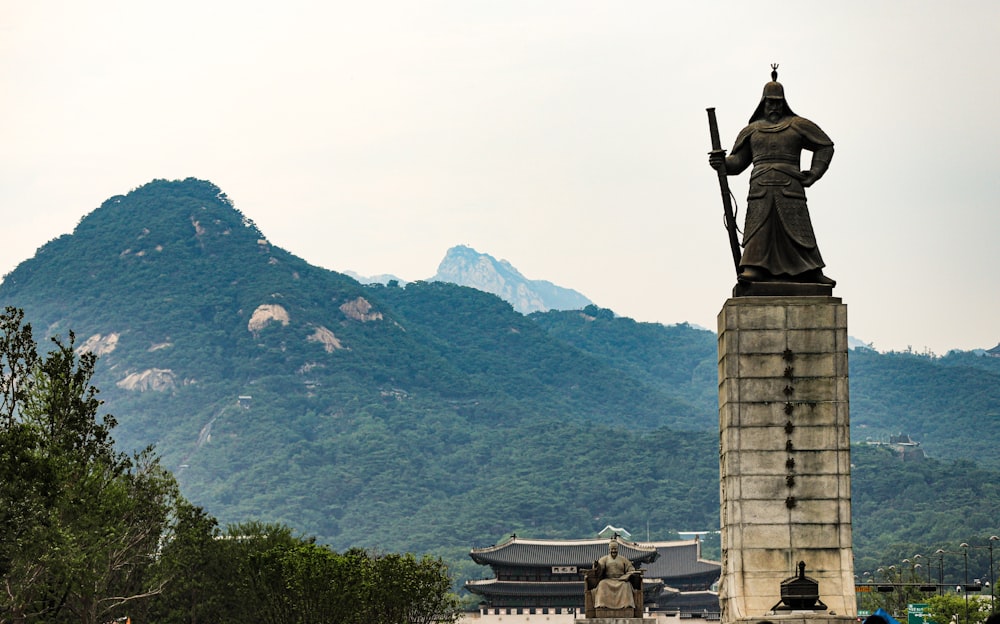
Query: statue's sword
{"points": [[727, 202]]}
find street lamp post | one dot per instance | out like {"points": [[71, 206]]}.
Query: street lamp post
{"points": [[940, 553], [918, 565], [993, 581], [965, 587]]}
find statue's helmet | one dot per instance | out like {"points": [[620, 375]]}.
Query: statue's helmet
{"points": [[773, 90]]}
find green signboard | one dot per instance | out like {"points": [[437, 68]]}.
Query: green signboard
{"points": [[915, 614]]}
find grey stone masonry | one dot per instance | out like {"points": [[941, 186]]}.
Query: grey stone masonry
{"points": [[615, 621], [784, 455]]}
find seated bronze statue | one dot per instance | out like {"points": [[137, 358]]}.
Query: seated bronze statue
{"points": [[613, 587]]}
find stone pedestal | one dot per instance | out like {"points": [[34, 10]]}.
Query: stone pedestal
{"points": [[784, 456], [632, 620]]}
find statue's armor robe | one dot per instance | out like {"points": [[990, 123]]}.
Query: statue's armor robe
{"points": [[612, 591], [778, 233]]}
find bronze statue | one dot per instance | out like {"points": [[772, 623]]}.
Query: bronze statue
{"points": [[779, 244], [616, 581]]}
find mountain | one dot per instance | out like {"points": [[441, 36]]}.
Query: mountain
{"points": [[434, 417], [467, 267], [279, 389], [382, 279]]}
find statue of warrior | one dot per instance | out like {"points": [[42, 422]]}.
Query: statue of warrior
{"points": [[778, 239]]}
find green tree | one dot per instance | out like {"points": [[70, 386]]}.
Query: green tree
{"points": [[193, 571], [948, 608], [82, 524]]}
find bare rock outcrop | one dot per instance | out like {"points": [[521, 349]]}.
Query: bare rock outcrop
{"points": [[153, 379], [100, 345], [325, 337], [265, 314], [360, 310]]}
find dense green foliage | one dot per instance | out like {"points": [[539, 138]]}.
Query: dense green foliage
{"points": [[263, 573], [678, 361], [950, 404], [437, 418], [89, 534], [79, 521], [949, 607]]}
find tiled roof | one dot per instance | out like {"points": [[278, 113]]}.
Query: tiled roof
{"points": [[679, 559], [493, 587], [581, 553], [691, 601]]}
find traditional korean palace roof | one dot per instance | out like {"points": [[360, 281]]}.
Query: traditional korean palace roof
{"points": [[562, 589], [680, 559], [543, 553]]}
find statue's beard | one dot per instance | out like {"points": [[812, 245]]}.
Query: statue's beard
{"points": [[774, 116]]}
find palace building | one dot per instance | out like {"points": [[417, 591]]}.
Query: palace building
{"points": [[546, 576]]}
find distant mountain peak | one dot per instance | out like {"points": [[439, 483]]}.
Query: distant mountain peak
{"points": [[465, 266]]}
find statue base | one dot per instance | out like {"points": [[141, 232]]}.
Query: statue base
{"points": [[781, 289], [799, 617], [784, 457]]}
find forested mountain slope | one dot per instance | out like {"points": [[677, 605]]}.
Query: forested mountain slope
{"points": [[434, 417]]}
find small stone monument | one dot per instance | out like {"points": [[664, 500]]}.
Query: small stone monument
{"points": [[783, 388]]}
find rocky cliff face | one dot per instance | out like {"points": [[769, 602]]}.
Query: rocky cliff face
{"points": [[467, 267]]}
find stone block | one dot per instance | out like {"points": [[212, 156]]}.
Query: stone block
{"points": [[732, 513], [729, 415], [843, 414], [764, 488], [812, 316], [815, 512], [768, 561], [844, 509], [762, 317], [811, 340], [762, 341], [811, 389], [729, 392], [811, 536], [763, 463], [731, 439], [766, 536], [814, 413], [820, 462], [761, 389], [761, 439], [733, 486], [842, 343], [806, 365], [762, 414], [846, 535], [761, 365], [814, 487], [729, 367], [815, 438], [842, 362], [729, 342], [764, 512], [729, 318]]}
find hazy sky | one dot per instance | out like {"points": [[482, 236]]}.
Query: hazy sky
{"points": [[568, 137]]}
